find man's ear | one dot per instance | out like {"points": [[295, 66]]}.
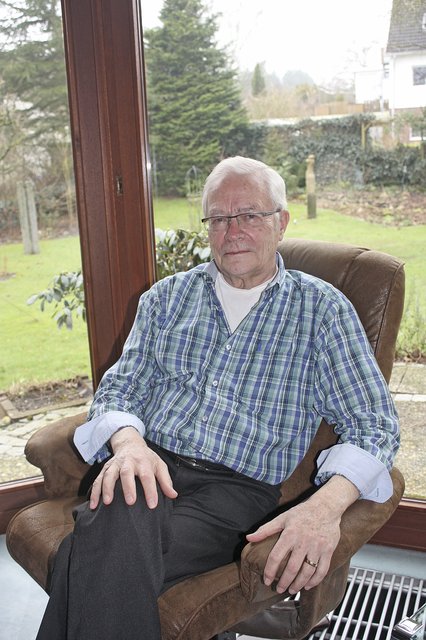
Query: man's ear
{"points": [[284, 220]]}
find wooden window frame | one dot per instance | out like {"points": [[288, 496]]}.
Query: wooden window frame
{"points": [[104, 55]]}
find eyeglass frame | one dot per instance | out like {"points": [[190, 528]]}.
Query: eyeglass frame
{"points": [[264, 214]]}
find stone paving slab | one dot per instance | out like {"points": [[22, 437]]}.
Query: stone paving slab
{"points": [[410, 458], [409, 397], [408, 378], [14, 436]]}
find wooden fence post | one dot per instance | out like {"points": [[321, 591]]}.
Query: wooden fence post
{"points": [[310, 186], [28, 216]]}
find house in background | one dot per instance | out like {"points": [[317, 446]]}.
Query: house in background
{"points": [[399, 83], [406, 55]]}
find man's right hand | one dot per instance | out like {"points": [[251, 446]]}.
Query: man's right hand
{"points": [[132, 459]]}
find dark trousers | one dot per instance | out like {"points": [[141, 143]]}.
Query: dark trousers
{"points": [[109, 572]]}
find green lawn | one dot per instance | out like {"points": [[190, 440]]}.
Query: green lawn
{"points": [[34, 350]]}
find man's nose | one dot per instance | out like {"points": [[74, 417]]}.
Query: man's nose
{"points": [[233, 227]]}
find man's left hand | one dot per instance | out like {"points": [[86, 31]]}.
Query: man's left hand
{"points": [[309, 535]]}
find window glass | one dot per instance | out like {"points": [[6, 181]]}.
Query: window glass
{"points": [[44, 369], [228, 77], [419, 75]]}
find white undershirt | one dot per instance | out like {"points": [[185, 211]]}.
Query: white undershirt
{"points": [[236, 303]]}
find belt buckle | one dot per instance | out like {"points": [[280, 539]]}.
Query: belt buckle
{"points": [[189, 462], [194, 463]]}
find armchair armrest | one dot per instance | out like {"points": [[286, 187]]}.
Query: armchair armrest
{"points": [[52, 450], [359, 523]]}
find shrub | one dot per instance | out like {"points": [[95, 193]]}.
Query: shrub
{"points": [[399, 166], [411, 343], [180, 250], [66, 293], [339, 155]]}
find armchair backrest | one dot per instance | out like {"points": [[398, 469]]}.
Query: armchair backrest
{"points": [[374, 283], [371, 280]]}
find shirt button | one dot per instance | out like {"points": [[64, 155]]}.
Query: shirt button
{"points": [[204, 418], [228, 346], [215, 383]]}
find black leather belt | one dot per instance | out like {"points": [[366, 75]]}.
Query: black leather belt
{"points": [[200, 465], [193, 463]]}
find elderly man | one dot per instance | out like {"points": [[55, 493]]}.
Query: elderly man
{"points": [[223, 381]]}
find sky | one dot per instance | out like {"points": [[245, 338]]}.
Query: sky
{"points": [[325, 38]]}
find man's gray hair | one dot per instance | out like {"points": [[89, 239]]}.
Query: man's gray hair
{"points": [[240, 166]]}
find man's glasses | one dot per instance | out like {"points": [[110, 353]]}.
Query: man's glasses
{"points": [[251, 220]]}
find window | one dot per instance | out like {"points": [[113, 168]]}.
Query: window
{"points": [[419, 75], [121, 255], [39, 234], [386, 69], [417, 132]]}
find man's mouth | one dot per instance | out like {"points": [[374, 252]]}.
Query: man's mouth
{"points": [[235, 252]]}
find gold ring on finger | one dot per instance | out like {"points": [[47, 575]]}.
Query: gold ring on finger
{"points": [[311, 563]]}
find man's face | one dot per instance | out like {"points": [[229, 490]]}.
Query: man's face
{"points": [[245, 257]]}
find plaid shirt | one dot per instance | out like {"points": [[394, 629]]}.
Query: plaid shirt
{"points": [[251, 400]]}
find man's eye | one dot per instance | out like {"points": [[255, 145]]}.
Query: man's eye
{"points": [[249, 217], [218, 221]]}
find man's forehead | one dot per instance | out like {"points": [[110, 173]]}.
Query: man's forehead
{"points": [[222, 209], [239, 193]]}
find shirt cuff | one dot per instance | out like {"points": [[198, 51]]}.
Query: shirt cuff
{"points": [[367, 473], [91, 437]]}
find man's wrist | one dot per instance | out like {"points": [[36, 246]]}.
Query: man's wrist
{"points": [[337, 494], [120, 435]]}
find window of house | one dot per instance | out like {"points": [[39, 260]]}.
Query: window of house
{"points": [[416, 133], [419, 75], [386, 69]]}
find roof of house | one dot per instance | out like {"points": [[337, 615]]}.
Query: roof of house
{"points": [[407, 31]]}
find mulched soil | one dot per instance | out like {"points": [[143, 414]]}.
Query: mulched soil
{"points": [[392, 207], [49, 394]]}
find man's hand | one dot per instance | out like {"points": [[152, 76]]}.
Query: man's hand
{"points": [[132, 459], [309, 531]]}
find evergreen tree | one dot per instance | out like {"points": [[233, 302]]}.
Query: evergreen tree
{"points": [[195, 110], [33, 88], [258, 81], [32, 63]]}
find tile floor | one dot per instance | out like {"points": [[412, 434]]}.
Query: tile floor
{"points": [[22, 601]]}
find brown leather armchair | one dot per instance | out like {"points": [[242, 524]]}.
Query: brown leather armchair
{"points": [[234, 596]]}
